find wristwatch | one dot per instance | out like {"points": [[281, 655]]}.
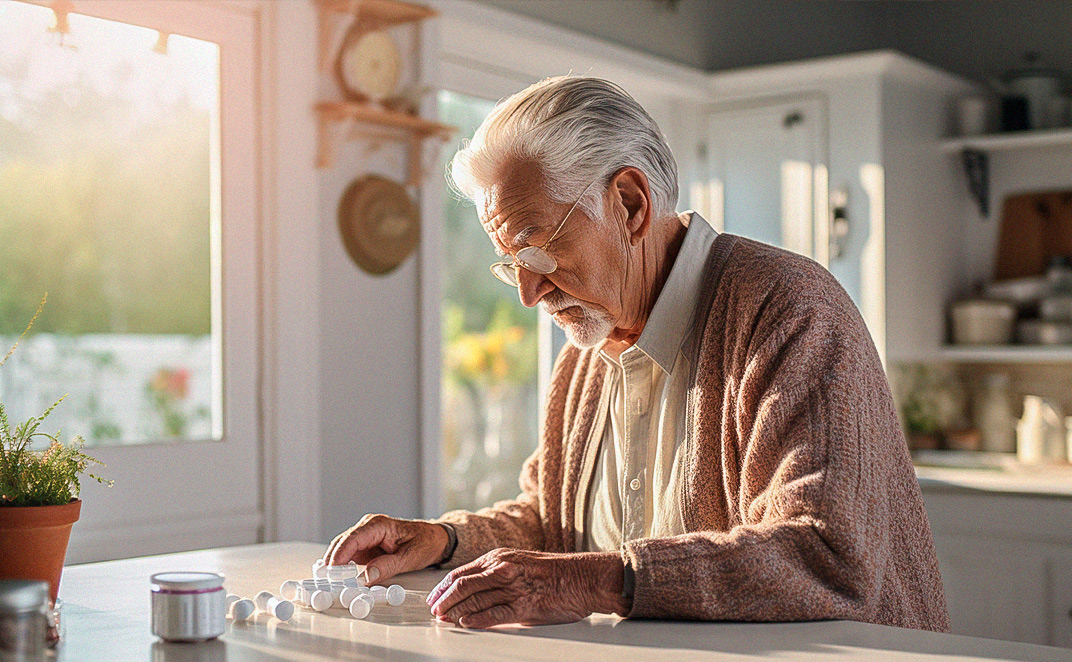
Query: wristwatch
{"points": [[452, 543], [628, 582]]}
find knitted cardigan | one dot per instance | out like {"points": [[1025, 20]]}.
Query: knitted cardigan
{"points": [[800, 499]]}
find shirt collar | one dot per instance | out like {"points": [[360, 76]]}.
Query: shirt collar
{"points": [[671, 318]]}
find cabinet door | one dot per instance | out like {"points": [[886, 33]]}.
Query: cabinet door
{"points": [[1060, 588], [993, 588], [766, 173]]}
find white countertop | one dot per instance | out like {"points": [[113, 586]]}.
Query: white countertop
{"points": [[106, 618]]}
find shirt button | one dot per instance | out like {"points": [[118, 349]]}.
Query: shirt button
{"points": [[634, 484]]}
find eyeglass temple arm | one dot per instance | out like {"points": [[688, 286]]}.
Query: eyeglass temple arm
{"points": [[563, 223]]}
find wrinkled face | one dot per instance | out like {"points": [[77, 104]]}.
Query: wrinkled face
{"points": [[584, 294]]}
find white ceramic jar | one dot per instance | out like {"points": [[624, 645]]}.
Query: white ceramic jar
{"points": [[188, 606]]}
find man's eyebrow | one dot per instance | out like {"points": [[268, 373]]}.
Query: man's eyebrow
{"points": [[522, 237]]}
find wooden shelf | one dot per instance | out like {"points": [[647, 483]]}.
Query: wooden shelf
{"points": [[1009, 141], [371, 114], [379, 14], [378, 124], [1006, 354]]}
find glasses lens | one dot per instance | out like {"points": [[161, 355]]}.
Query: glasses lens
{"points": [[505, 272], [536, 260]]}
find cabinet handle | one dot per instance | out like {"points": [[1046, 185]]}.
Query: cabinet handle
{"points": [[794, 117]]}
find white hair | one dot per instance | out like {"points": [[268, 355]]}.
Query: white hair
{"points": [[577, 130]]}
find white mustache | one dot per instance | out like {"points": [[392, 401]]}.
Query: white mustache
{"points": [[561, 302]]}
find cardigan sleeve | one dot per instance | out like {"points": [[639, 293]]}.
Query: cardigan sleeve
{"points": [[805, 430], [513, 523]]}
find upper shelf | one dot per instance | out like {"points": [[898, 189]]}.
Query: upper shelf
{"points": [[1008, 141], [379, 14], [1006, 354]]}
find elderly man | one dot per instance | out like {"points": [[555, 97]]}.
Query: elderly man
{"points": [[720, 442]]}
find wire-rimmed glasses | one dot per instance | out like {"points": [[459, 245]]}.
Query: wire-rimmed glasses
{"points": [[534, 258]]}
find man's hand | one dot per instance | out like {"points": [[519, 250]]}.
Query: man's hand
{"points": [[530, 588], [388, 546]]}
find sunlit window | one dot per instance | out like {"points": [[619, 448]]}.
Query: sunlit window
{"points": [[109, 202], [489, 351]]}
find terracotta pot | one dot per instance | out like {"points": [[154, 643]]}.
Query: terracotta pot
{"points": [[34, 541]]}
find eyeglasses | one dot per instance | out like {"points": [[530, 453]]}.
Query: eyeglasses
{"points": [[534, 258]]}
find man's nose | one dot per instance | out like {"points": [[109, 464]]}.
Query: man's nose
{"points": [[531, 287]]}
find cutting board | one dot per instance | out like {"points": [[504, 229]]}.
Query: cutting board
{"points": [[1035, 227]]}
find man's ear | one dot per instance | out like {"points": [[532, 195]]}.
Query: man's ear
{"points": [[632, 199]]}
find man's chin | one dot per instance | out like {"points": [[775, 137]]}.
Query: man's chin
{"points": [[583, 338]]}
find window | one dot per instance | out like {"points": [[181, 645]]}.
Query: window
{"points": [[109, 202], [129, 156], [489, 372]]}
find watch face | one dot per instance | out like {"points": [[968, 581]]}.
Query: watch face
{"points": [[370, 64]]}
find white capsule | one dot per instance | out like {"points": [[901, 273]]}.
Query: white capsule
{"points": [[281, 609], [361, 606], [262, 600], [396, 595], [289, 589], [242, 609]]}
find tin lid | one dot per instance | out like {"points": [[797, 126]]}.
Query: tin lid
{"points": [[23, 595], [186, 581]]}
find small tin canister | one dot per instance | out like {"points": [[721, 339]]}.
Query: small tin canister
{"points": [[23, 620], [188, 606]]}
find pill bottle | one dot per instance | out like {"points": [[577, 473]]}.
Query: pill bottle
{"points": [[188, 606]]}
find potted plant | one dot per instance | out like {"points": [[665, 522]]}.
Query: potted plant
{"points": [[38, 494]]}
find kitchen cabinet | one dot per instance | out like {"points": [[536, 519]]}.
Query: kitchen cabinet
{"points": [[1006, 563], [883, 205]]}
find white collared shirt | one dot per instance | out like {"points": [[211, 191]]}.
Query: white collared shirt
{"points": [[638, 478]]}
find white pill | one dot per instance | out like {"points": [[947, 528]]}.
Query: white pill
{"points": [[289, 589], [320, 572], [340, 572], [348, 595], [378, 593], [231, 599], [396, 595], [361, 606], [354, 581], [319, 563], [281, 609], [242, 609], [320, 600], [262, 600]]}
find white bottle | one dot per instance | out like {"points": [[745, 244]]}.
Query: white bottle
{"points": [[1040, 434], [994, 417]]}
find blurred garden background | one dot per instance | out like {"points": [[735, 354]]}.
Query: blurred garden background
{"points": [[106, 141]]}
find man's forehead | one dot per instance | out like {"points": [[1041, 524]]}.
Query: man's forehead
{"points": [[510, 212]]}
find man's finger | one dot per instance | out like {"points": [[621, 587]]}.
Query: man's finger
{"points": [[385, 566], [361, 538], [462, 588], [478, 602], [473, 567], [497, 615]]}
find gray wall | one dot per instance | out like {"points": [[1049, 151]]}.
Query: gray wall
{"points": [[974, 38]]}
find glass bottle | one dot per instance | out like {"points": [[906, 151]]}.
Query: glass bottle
{"points": [[994, 416]]}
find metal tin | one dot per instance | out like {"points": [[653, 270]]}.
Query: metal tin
{"points": [[23, 620], [188, 606]]}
